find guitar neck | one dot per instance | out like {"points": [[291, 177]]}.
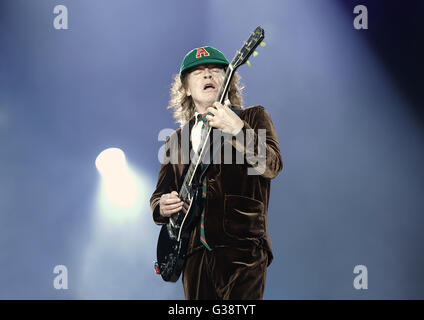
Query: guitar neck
{"points": [[225, 84]]}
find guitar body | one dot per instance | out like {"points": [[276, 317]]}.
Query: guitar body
{"points": [[174, 236]]}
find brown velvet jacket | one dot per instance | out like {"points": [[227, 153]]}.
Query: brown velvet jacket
{"points": [[236, 202]]}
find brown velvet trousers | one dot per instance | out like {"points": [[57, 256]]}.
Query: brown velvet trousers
{"points": [[225, 273]]}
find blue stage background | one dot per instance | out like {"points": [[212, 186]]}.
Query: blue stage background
{"points": [[350, 129]]}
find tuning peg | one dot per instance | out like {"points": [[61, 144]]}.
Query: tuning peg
{"points": [[255, 53], [248, 63], [262, 44]]}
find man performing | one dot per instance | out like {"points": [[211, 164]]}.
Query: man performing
{"points": [[229, 248]]}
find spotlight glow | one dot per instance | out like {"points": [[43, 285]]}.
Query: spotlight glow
{"points": [[120, 189], [111, 162]]}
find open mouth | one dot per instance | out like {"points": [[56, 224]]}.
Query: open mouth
{"points": [[209, 86]]}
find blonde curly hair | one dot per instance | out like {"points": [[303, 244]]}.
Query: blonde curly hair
{"points": [[183, 105]]}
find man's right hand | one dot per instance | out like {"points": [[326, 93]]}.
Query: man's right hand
{"points": [[169, 204]]}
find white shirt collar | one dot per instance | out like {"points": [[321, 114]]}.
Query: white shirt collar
{"points": [[195, 117]]}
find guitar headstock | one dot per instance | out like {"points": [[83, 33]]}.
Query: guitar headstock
{"points": [[248, 48]]}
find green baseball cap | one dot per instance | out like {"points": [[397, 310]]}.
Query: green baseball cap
{"points": [[202, 55]]}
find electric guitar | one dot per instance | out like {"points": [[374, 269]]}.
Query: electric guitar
{"points": [[174, 236]]}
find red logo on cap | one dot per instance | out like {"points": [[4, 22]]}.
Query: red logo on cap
{"points": [[201, 51]]}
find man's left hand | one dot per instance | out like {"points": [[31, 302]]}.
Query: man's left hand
{"points": [[224, 119]]}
